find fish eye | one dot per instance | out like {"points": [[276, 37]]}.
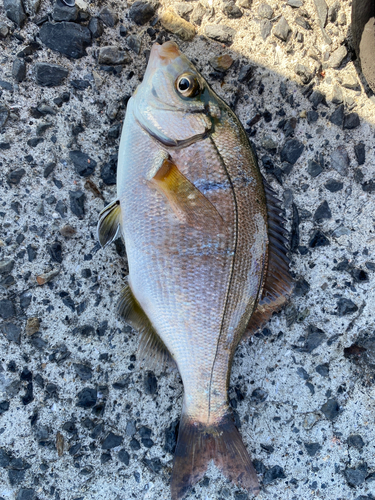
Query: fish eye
{"points": [[187, 85]]}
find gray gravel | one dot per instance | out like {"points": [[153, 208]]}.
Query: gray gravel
{"points": [[79, 419]]}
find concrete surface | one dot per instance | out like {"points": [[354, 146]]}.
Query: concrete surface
{"points": [[319, 349]]}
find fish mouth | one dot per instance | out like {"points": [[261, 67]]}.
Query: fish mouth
{"points": [[161, 55]]}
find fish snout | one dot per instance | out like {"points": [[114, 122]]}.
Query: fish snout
{"points": [[164, 54]]}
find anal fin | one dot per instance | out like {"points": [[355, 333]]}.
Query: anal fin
{"points": [[151, 349], [278, 283], [109, 223], [187, 202]]}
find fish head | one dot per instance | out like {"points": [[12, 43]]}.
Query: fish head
{"points": [[174, 103]]}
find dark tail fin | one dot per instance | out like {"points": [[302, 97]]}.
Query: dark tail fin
{"points": [[198, 444]]}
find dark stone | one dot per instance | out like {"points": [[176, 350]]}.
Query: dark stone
{"points": [[29, 394], [80, 85], [265, 28], [145, 432], [276, 472], [337, 117], [14, 11], [171, 434], [84, 330], [87, 398], [322, 212], [134, 445], [4, 115], [83, 371], [4, 406], [318, 239], [351, 121], [345, 307], [16, 477], [294, 232], [7, 309], [25, 494], [96, 27], [6, 266], [312, 448], [153, 464], [265, 10], [50, 75], [304, 73], [301, 287], [69, 39], [105, 457], [360, 153], [15, 176], [84, 165], [303, 373], [73, 450], [111, 441], [333, 185], [109, 171], [322, 10], [25, 299], [26, 375], [5, 458], [323, 369], [315, 336], [359, 275], [259, 395], [31, 253], [220, 33], [231, 10], [124, 457], [97, 430], [34, 141], [61, 208], [150, 383], [356, 441], [314, 168], [55, 251], [369, 186], [49, 168], [141, 12], [122, 383], [108, 16], [312, 116], [291, 151], [19, 70], [77, 199], [355, 477], [301, 21], [134, 43], [282, 29], [330, 409], [62, 12], [70, 427]]}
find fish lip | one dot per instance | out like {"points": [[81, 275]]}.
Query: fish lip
{"points": [[161, 55]]}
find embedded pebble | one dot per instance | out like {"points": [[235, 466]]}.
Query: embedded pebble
{"points": [[282, 29], [50, 75], [175, 24], [141, 12]]}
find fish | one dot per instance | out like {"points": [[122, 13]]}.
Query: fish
{"points": [[207, 252], [363, 30]]}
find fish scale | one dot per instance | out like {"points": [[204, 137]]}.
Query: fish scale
{"points": [[206, 252]]}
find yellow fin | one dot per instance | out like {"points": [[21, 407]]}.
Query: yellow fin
{"points": [[187, 202], [109, 223], [151, 350]]}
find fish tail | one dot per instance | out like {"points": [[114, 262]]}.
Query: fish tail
{"points": [[198, 444]]}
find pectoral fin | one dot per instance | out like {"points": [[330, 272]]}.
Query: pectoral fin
{"points": [[109, 223], [186, 201]]}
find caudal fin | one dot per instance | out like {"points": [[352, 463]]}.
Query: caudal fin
{"points": [[198, 444]]}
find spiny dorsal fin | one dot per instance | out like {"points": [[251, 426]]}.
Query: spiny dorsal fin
{"points": [[278, 283], [151, 349], [109, 223], [187, 202]]}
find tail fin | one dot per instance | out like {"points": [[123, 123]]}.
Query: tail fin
{"points": [[198, 444]]}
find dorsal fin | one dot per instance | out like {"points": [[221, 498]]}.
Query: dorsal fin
{"points": [[109, 223], [278, 283], [151, 349]]}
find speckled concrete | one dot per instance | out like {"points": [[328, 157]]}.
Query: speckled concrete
{"points": [[309, 354]]}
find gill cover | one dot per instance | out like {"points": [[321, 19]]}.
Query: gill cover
{"points": [[166, 107]]}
